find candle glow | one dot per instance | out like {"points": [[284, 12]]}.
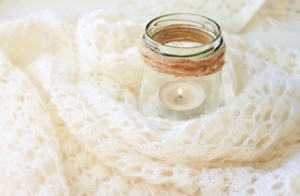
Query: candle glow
{"points": [[179, 92], [171, 95]]}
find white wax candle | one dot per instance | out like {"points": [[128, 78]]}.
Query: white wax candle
{"points": [[181, 95]]}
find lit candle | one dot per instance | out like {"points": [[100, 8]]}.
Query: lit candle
{"points": [[181, 96]]}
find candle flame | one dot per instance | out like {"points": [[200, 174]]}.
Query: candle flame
{"points": [[179, 92]]}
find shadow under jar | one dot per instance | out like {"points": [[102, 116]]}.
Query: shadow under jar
{"points": [[183, 55]]}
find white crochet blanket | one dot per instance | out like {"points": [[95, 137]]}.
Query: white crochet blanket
{"points": [[69, 122]]}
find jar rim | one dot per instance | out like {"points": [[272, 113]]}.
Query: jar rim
{"points": [[195, 20]]}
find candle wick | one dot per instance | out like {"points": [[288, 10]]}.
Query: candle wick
{"points": [[179, 92]]}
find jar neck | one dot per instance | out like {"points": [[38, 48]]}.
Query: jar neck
{"points": [[180, 28]]}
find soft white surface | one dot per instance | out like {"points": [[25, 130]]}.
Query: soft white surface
{"points": [[271, 24], [69, 122]]}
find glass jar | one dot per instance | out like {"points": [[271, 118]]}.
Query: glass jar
{"points": [[183, 55]]}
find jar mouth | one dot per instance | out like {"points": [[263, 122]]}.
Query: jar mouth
{"points": [[181, 27]]}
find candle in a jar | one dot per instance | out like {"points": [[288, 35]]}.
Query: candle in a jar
{"points": [[181, 96]]}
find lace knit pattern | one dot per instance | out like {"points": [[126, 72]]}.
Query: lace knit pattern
{"points": [[69, 121]]}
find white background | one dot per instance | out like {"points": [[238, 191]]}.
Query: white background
{"points": [[285, 32]]}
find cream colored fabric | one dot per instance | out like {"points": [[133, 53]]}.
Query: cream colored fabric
{"points": [[69, 122]]}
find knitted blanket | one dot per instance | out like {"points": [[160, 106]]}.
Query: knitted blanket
{"points": [[70, 124]]}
